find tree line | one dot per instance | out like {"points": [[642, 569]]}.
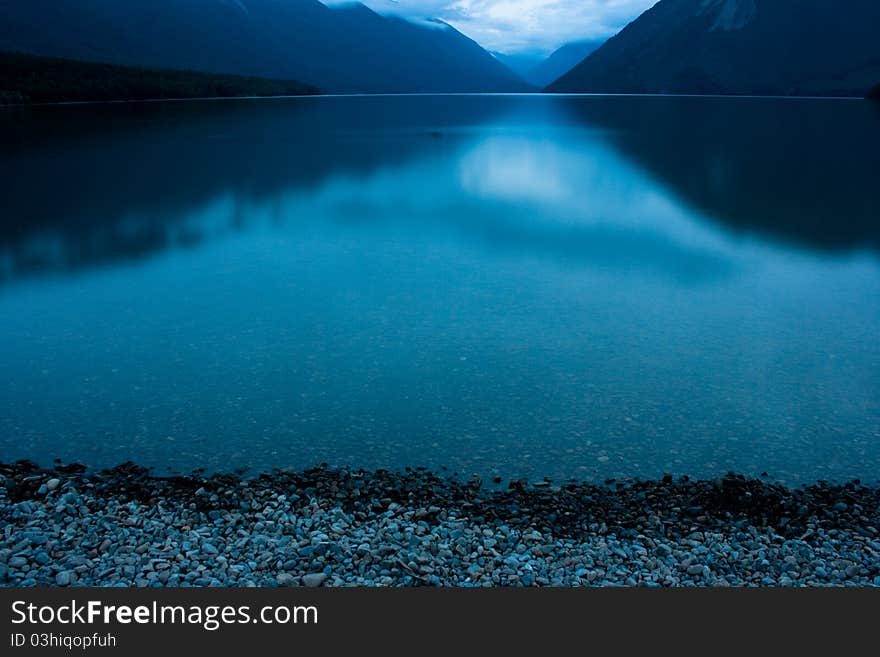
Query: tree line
{"points": [[28, 79]]}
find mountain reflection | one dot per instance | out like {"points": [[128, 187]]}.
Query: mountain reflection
{"points": [[92, 184], [610, 181], [802, 171]]}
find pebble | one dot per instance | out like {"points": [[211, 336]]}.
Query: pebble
{"points": [[314, 579], [342, 527]]}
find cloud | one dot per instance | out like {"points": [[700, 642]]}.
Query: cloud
{"points": [[517, 26]]}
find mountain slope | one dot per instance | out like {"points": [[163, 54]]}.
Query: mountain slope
{"points": [[561, 61], [786, 47], [519, 63], [344, 49]]}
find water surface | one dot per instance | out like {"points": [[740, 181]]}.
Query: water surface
{"points": [[508, 285]]}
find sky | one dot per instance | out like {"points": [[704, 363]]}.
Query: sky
{"points": [[521, 26]]}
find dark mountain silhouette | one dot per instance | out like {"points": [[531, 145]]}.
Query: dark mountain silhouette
{"points": [[347, 49], [561, 61], [30, 79], [874, 93], [763, 47]]}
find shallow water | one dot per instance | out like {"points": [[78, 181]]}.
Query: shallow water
{"points": [[509, 285]]}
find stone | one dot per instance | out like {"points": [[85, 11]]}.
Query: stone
{"points": [[313, 580], [663, 550], [368, 529]]}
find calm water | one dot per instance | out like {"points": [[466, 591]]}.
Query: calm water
{"points": [[521, 286]]}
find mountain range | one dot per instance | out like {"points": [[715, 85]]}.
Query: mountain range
{"points": [[561, 61], [759, 47], [345, 49], [539, 70], [762, 47], [520, 63]]}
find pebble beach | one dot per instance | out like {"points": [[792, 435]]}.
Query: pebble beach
{"points": [[70, 526]]}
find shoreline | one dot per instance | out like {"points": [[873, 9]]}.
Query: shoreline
{"points": [[341, 527], [126, 101]]}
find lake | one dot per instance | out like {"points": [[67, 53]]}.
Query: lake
{"points": [[514, 286]]}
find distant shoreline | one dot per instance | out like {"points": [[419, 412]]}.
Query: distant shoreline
{"points": [[32, 80], [318, 95], [36, 81]]}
